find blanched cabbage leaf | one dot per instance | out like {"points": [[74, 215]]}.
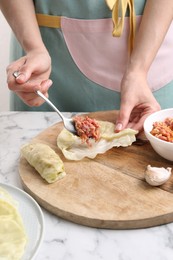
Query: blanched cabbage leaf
{"points": [[73, 148], [13, 237]]}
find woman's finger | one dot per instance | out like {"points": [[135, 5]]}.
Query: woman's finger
{"points": [[31, 99]]}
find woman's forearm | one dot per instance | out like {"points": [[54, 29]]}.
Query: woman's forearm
{"points": [[155, 23], [21, 17]]}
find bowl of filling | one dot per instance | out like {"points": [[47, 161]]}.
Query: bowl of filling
{"points": [[158, 128]]}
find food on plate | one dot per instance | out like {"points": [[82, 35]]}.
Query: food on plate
{"points": [[87, 128], [156, 176], [73, 149], [163, 130], [45, 160], [13, 237]]}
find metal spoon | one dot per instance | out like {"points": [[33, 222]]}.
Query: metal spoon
{"points": [[68, 122]]}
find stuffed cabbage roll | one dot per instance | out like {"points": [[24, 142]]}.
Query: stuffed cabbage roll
{"points": [[74, 149], [44, 159]]}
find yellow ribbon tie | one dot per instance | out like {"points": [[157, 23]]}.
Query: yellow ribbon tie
{"points": [[119, 9], [48, 20]]}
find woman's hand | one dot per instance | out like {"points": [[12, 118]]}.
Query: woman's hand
{"points": [[34, 68], [33, 74], [137, 102]]}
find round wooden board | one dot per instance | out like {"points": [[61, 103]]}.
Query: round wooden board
{"points": [[106, 192]]}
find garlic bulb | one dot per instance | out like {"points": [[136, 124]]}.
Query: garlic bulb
{"points": [[156, 176]]}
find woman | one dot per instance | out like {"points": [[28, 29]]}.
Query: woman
{"points": [[90, 69]]}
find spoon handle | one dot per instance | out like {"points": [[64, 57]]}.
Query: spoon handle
{"points": [[49, 103], [16, 74]]}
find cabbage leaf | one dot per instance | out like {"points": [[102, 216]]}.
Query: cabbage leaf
{"points": [[74, 149]]}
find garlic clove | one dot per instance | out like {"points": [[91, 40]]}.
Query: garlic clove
{"points": [[156, 176]]}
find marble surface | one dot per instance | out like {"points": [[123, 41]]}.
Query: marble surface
{"points": [[64, 240]]}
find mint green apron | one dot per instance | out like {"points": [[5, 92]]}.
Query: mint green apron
{"points": [[86, 75]]}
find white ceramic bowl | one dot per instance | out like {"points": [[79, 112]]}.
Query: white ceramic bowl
{"points": [[163, 148]]}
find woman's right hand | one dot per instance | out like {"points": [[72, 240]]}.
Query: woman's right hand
{"points": [[33, 74]]}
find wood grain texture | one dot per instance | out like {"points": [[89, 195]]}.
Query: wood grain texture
{"points": [[106, 192]]}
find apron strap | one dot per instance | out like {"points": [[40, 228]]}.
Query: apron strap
{"points": [[48, 20], [119, 7], [115, 5]]}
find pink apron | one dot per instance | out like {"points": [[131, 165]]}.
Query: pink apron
{"points": [[103, 58]]}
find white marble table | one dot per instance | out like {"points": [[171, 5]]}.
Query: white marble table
{"points": [[64, 240]]}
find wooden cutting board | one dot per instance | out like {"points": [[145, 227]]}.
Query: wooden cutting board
{"points": [[106, 192]]}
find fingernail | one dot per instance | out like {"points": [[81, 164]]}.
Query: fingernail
{"points": [[118, 127], [49, 83], [21, 77]]}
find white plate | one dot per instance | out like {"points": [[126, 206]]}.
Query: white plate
{"points": [[32, 218]]}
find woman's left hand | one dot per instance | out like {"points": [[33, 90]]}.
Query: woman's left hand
{"points": [[137, 102]]}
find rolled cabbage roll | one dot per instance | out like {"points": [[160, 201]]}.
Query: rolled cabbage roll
{"points": [[44, 159], [74, 149]]}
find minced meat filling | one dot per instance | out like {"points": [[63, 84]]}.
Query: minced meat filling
{"points": [[163, 130], [87, 128]]}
